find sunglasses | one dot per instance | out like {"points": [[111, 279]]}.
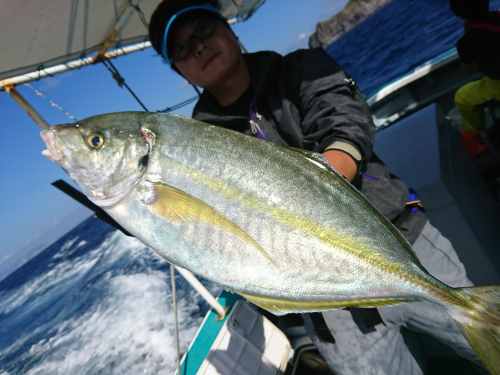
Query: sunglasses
{"points": [[203, 30]]}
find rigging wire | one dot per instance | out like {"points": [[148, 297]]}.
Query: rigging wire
{"points": [[51, 102], [141, 14], [180, 105], [236, 4], [120, 80], [174, 298], [184, 103]]}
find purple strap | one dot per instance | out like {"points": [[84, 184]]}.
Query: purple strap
{"points": [[367, 176], [258, 131]]}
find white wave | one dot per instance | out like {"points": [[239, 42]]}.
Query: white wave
{"points": [[129, 327], [67, 245], [55, 277]]}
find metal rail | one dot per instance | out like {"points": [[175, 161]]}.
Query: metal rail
{"points": [[176, 320], [195, 283], [77, 64], [119, 25]]}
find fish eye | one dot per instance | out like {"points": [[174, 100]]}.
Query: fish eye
{"points": [[95, 141]]}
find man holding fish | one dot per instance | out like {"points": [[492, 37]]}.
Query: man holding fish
{"points": [[264, 215], [306, 101]]}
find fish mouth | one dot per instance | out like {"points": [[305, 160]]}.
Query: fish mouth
{"points": [[54, 149]]}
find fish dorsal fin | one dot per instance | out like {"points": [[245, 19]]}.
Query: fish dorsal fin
{"points": [[312, 157], [281, 307], [321, 162], [175, 205]]}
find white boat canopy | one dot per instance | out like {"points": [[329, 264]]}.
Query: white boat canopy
{"points": [[39, 34]]}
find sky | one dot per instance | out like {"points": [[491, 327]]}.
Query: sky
{"points": [[33, 214]]}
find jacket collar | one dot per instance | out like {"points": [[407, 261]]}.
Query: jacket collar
{"points": [[207, 108]]}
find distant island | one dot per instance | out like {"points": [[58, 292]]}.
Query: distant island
{"points": [[355, 12]]}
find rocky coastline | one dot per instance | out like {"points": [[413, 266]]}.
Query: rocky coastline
{"points": [[355, 12]]}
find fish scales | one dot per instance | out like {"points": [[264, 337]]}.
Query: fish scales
{"points": [[277, 225], [230, 189]]}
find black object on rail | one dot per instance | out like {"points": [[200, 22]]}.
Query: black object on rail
{"points": [[81, 198]]}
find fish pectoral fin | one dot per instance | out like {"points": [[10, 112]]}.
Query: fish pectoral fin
{"points": [[282, 307], [174, 204]]}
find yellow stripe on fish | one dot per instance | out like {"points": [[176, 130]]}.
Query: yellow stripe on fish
{"points": [[329, 236]]}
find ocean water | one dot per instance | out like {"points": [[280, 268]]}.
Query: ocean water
{"points": [[400, 37], [95, 302], [98, 302]]}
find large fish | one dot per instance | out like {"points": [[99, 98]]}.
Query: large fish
{"points": [[277, 225]]}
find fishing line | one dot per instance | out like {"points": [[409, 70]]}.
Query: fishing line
{"points": [[51, 102]]}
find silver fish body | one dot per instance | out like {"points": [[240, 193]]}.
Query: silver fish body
{"points": [[275, 224]]}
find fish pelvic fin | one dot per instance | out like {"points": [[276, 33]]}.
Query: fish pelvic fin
{"points": [[282, 307], [481, 325], [174, 204]]}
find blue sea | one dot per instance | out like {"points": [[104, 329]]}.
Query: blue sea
{"points": [[95, 302], [400, 37], [98, 302]]}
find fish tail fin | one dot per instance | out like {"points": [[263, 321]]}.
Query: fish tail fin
{"points": [[481, 326]]}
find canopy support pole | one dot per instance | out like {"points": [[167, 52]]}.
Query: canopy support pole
{"points": [[191, 279], [14, 94], [122, 21]]}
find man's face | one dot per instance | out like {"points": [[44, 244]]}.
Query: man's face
{"points": [[212, 59]]}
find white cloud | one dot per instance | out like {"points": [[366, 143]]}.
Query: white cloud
{"points": [[303, 36], [48, 84], [24, 260], [56, 222], [33, 239], [6, 257], [184, 85]]}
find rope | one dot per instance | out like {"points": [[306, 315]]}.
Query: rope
{"points": [[174, 298], [180, 105], [40, 68], [120, 80], [119, 46], [50, 101], [82, 56]]}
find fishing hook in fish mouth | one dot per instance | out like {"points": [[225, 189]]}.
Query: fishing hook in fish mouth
{"points": [[147, 135]]}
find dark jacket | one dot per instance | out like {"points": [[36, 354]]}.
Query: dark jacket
{"points": [[306, 100], [481, 44]]}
